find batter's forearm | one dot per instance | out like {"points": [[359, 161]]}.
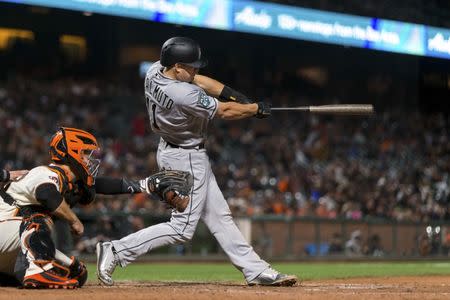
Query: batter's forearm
{"points": [[236, 111]]}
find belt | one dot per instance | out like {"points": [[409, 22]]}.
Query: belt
{"points": [[199, 146]]}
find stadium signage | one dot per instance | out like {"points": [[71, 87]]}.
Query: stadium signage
{"points": [[438, 44], [275, 20], [249, 17]]}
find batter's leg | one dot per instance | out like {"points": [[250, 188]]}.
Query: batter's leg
{"points": [[180, 229], [217, 217]]}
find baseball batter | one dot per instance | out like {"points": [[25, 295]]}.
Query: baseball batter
{"points": [[180, 106]]}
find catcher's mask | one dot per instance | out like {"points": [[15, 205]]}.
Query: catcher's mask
{"points": [[75, 148]]}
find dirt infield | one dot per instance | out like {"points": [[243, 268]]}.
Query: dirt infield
{"points": [[429, 287]]}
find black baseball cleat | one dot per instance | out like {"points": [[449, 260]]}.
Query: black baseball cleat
{"points": [[270, 277]]}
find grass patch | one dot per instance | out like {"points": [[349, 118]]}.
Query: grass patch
{"points": [[204, 272]]}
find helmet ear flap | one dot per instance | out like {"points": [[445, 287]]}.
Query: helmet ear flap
{"points": [[61, 154], [60, 149]]}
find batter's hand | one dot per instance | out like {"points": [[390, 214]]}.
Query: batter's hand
{"points": [[263, 110]]}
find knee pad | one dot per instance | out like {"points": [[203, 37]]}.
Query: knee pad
{"points": [[35, 233], [21, 266]]}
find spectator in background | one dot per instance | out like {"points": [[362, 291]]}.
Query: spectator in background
{"points": [[353, 247], [424, 245], [336, 244], [393, 166], [374, 247]]}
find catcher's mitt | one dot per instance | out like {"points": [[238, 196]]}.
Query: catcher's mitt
{"points": [[172, 187]]}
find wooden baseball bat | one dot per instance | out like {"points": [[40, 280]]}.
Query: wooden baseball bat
{"points": [[334, 109]]}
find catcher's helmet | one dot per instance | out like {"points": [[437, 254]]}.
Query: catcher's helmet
{"points": [[182, 50], [74, 147]]}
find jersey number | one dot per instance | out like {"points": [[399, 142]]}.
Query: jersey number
{"points": [[154, 116]]}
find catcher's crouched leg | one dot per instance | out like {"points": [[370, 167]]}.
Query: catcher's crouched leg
{"points": [[37, 244]]}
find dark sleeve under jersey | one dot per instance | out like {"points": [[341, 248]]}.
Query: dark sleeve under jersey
{"points": [[113, 186], [48, 196]]}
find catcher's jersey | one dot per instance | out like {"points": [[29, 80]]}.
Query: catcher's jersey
{"points": [[179, 111], [6, 211], [24, 190]]}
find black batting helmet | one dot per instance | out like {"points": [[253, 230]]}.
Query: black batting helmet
{"points": [[182, 50]]}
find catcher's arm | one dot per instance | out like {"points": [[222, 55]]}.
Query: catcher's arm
{"points": [[172, 187], [113, 186], [64, 212], [6, 175], [51, 199]]}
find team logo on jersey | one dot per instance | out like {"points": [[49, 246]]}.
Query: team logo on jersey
{"points": [[204, 101], [54, 179]]}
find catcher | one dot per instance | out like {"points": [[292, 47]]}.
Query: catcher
{"points": [[52, 190]]}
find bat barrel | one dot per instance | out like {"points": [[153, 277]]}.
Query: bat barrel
{"points": [[335, 109], [343, 109]]}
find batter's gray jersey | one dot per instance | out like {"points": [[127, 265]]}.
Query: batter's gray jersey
{"points": [[179, 111]]}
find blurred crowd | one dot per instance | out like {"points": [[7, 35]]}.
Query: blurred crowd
{"points": [[355, 246], [391, 166]]}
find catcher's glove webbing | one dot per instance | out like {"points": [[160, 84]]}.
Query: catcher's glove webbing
{"points": [[172, 187]]}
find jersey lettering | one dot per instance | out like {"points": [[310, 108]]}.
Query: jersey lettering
{"points": [[178, 111], [162, 98]]}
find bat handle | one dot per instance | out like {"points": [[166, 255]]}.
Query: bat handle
{"points": [[300, 108]]}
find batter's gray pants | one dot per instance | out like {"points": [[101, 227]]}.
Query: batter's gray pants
{"points": [[207, 202]]}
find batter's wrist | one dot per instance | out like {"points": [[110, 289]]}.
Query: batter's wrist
{"points": [[263, 110]]}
